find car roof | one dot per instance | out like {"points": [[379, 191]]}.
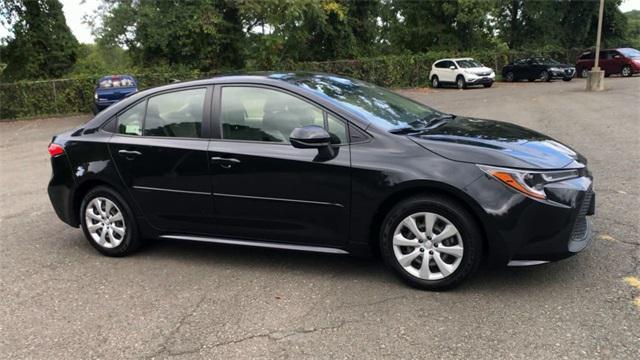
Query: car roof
{"points": [[292, 81], [454, 59]]}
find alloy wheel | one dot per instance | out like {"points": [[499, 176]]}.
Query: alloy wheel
{"points": [[434, 82], [584, 73], [626, 71], [460, 83], [544, 76], [105, 222], [509, 77], [428, 246]]}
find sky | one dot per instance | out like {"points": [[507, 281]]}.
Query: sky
{"points": [[74, 11]]}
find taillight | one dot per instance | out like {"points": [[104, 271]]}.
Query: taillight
{"points": [[55, 150]]}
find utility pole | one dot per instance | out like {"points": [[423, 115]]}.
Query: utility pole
{"points": [[595, 80]]}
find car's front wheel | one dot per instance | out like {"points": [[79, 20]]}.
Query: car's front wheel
{"points": [[544, 76], [566, 79], [460, 82], [509, 77], [626, 71], [431, 242], [487, 85], [108, 222]]}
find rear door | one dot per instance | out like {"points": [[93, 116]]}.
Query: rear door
{"points": [[264, 188], [160, 149]]}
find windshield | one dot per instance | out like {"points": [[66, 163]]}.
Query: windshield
{"points": [[469, 63], [381, 106], [632, 53], [116, 81], [547, 61]]}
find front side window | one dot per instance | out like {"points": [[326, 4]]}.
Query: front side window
{"points": [[130, 121], [441, 64], [175, 114], [258, 114]]}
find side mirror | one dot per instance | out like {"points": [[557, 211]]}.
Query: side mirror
{"points": [[309, 137], [617, 56], [452, 67]]}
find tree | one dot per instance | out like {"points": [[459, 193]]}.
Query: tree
{"points": [[633, 30], [42, 46]]}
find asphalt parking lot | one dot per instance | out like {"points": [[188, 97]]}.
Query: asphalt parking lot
{"points": [[61, 299]]}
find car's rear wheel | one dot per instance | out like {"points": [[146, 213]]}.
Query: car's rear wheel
{"points": [[460, 82], [626, 71], [108, 223], [509, 77], [435, 82], [431, 242]]}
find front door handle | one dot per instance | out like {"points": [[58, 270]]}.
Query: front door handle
{"points": [[224, 162], [129, 154]]}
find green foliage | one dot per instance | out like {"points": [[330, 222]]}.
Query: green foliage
{"points": [[40, 98], [42, 45], [633, 28]]}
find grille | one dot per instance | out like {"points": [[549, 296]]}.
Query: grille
{"points": [[580, 227]]}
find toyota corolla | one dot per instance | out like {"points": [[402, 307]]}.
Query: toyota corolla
{"points": [[318, 162]]}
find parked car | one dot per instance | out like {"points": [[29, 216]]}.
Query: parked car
{"points": [[623, 61], [111, 89], [461, 72], [317, 162], [542, 68]]}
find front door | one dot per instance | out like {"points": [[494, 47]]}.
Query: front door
{"points": [[161, 154], [264, 188]]}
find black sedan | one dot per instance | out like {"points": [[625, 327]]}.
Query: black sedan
{"points": [[544, 69], [317, 162]]}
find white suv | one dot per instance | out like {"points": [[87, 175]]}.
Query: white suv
{"points": [[462, 72]]}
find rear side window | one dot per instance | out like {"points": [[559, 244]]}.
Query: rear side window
{"points": [[586, 56], [130, 121], [441, 64], [175, 114]]}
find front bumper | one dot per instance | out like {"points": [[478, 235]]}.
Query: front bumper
{"points": [[522, 229], [480, 80], [563, 73]]}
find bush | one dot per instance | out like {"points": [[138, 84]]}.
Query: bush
{"points": [[53, 97]]}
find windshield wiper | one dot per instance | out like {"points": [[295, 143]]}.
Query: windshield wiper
{"points": [[430, 122]]}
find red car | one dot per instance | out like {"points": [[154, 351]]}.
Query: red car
{"points": [[623, 61]]}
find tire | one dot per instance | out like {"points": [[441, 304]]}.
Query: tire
{"points": [[114, 243], [626, 71], [435, 82], [566, 79], [509, 77], [544, 76], [446, 211], [584, 73], [461, 82], [488, 85], [531, 79]]}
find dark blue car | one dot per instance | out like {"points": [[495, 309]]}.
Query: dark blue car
{"points": [[111, 89]]}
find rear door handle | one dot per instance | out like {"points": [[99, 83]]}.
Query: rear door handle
{"points": [[224, 162], [129, 154]]}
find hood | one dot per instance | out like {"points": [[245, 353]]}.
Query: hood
{"points": [[479, 70], [561, 66], [497, 143]]}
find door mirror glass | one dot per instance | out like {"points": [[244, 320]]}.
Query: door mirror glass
{"points": [[309, 137]]}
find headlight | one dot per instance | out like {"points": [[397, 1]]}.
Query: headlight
{"points": [[470, 73], [95, 96], [528, 182], [555, 69]]}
